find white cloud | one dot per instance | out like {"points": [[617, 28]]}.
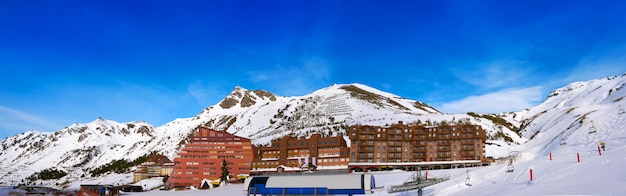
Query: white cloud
{"points": [[293, 80], [507, 100], [15, 121], [495, 74]]}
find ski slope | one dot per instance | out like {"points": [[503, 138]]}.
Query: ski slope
{"points": [[568, 127], [563, 175]]}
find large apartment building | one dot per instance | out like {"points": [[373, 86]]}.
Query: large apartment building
{"points": [[156, 166], [200, 160], [401, 146], [301, 154]]}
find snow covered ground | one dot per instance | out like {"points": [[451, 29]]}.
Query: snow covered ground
{"points": [[563, 175], [569, 124]]}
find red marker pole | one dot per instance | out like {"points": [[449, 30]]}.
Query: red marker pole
{"points": [[578, 155], [531, 174], [426, 178], [550, 156], [599, 151]]}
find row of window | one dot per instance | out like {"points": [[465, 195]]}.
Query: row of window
{"points": [[397, 130], [216, 138], [421, 142], [399, 160], [215, 146], [289, 144], [214, 156]]}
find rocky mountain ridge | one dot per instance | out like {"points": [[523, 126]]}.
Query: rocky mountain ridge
{"points": [[81, 149]]}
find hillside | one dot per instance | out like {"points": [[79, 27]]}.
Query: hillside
{"points": [[570, 123], [579, 113], [86, 150]]}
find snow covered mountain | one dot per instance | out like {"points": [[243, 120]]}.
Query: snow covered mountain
{"points": [[561, 156], [84, 150], [81, 149], [263, 116], [73, 148], [579, 113]]}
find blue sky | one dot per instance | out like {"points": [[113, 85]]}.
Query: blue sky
{"points": [[65, 62]]}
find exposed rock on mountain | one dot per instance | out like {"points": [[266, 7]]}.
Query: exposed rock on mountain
{"points": [[86, 150]]}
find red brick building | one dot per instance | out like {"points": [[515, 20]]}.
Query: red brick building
{"points": [[201, 158], [301, 154], [401, 146]]}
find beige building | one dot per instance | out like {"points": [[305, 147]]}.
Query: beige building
{"points": [[156, 166]]}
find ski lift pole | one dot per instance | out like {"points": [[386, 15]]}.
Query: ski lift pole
{"points": [[467, 181]]}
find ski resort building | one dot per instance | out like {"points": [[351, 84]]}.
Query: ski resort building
{"points": [[291, 154], [156, 166], [200, 160], [401, 146]]}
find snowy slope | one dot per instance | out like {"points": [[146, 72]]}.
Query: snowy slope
{"points": [[578, 114], [77, 147], [256, 114], [263, 116], [570, 122], [594, 175], [561, 127]]}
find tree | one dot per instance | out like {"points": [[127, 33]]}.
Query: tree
{"points": [[225, 172], [165, 178]]}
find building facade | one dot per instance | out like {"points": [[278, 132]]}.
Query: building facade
{"points": [[302, 154], [200, 160], [156, 166], [400, 145]]}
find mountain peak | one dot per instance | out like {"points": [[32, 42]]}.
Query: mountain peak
{"points": [[245, 98], [102, 121], [563, 120]]}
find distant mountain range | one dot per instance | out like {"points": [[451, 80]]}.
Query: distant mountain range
{"points": [[85, 150]]}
